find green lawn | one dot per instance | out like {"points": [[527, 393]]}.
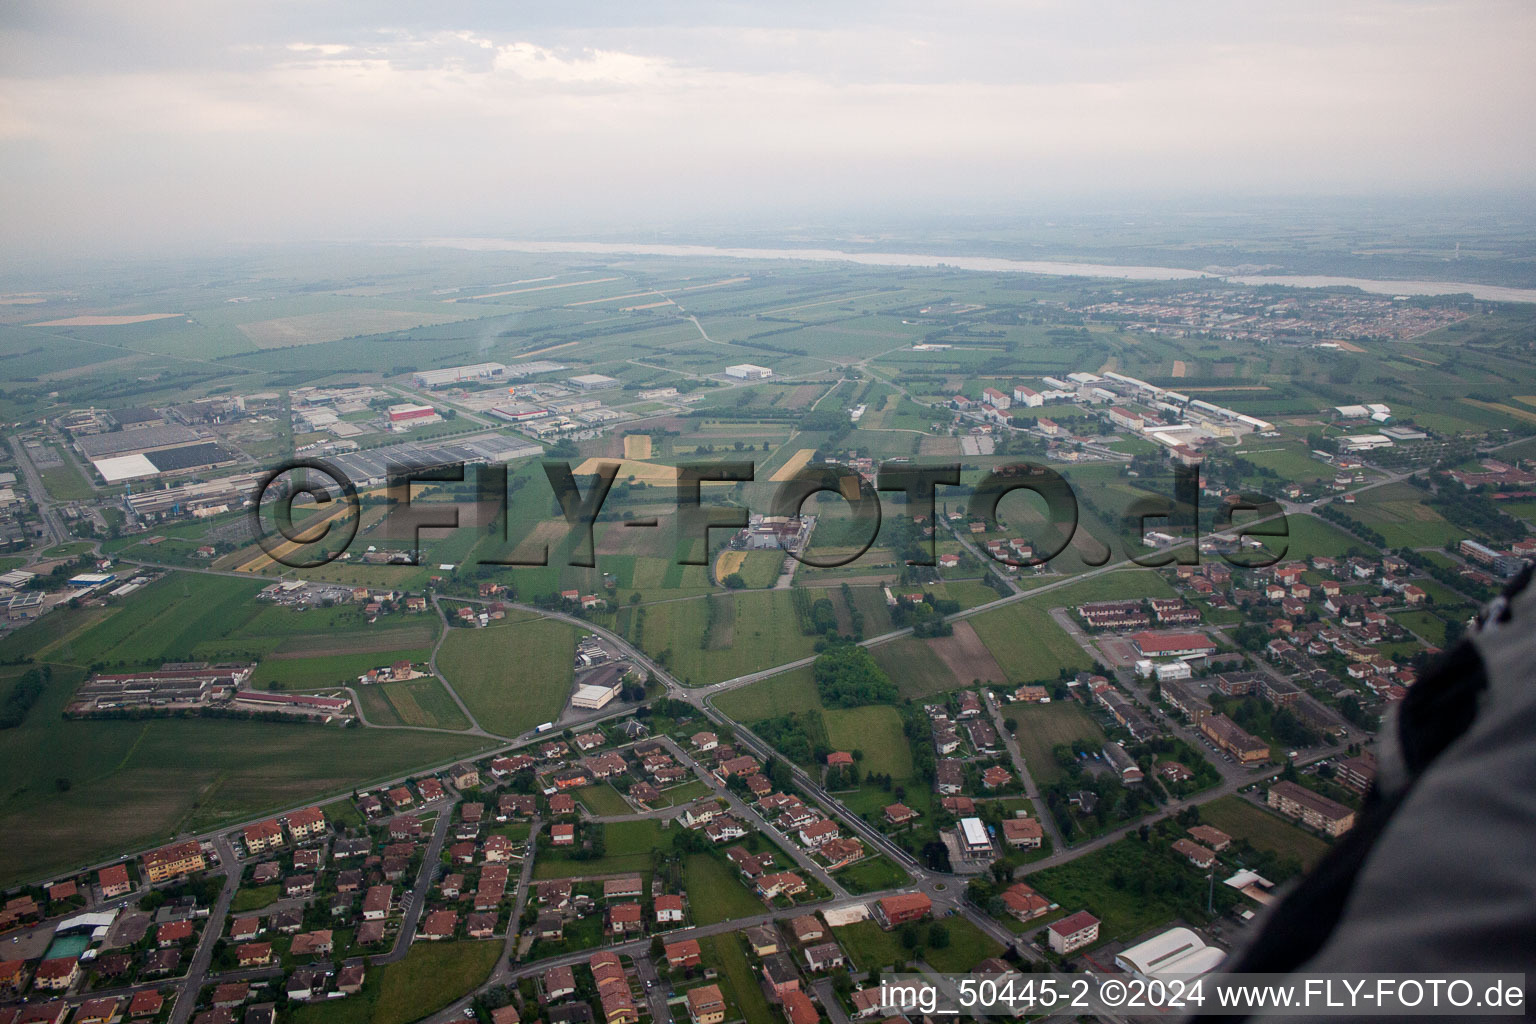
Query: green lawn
{"points": [[1242, 820], [432, 975], [1043, 726], [873, 874], [715, 892], [876, 731], [256, 898], [628, 848], [868, 946], [603, 800], [513, 677], [64, 481], [737, 980]]}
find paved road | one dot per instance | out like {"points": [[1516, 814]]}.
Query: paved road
{"points": [[213, 929], [1016, 755], [39, 494]]}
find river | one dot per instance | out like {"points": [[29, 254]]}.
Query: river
{"points": [[989, 264]]}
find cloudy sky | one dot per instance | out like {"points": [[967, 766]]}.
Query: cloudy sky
{"points": [[178, 122]]}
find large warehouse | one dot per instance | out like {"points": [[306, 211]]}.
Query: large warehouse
{"points": [[152, 451]]}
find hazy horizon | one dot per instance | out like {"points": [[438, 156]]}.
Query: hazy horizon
{"points": [[176, 125]]}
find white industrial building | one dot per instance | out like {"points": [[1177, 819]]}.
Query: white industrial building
{"points": [[1364, 442], [1175, 951], [457, 374], [748, 371], [589, 697], [592, 382]]}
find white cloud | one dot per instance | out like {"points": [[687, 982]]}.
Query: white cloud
{"points": [[362, 129]]}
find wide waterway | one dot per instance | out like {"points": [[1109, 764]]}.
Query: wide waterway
{"points": [[992, 264]]}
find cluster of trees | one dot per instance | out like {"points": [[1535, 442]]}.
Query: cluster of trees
{"points": [[847, 677], [1478, 515], [23, 695], [800, 736], [1280, 724], [926, 617]]}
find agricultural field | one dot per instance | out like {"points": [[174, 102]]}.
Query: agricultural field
{"points": [[1026, 643], [299, 673], [512, 676], [1044, 726], [751, 630], [418, 703], [82, 791], [1398, 513]]}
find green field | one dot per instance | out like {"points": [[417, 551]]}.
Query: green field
{"points": [[877, 732], [432, 975], [327, 670], [513, 677], [738, 981], [1027, 644], [915, 668], [80, 791], [1090, 883], [603, 799], [763, 630], [247, 899], [423, 703], [629, 849], [1426, 624], [715, 892], [1398, 513], [1308, 536], [133, 784], [789, 691], [1043, 726], [873, 874], [868, 946], [1241, 820]]}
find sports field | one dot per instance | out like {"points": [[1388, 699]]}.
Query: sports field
{"points": [[513, 676]]}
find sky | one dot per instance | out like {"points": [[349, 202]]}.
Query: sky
{"points": [[168, 123]]}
